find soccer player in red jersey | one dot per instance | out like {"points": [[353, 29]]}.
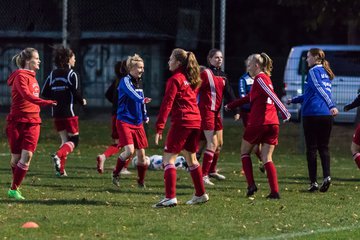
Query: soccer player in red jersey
{"points": [[214, 87], [23, 121], [180, 100], [263, 122]]}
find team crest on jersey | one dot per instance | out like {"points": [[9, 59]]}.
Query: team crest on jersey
{"points": [[186, 82], [36, 89]]}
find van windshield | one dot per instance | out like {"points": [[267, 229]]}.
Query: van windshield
{"points": [[343, 63]]}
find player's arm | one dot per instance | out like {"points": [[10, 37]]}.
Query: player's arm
{"points": [[355, 103], [314, 80]]}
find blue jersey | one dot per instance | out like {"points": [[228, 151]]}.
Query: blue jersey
{"points": [[316, 100], [131, 107], [245, 83]]}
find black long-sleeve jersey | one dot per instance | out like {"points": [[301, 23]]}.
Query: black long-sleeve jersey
{"points": [[63, 86]]}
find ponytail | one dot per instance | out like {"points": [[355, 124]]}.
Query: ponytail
{"points": [[23, 56], [320, 55]]}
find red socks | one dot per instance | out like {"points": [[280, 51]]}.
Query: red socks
{"points": [[196, 175], [248, 170], [170, 181], [19, 175], [111, 150], [119, 165], [214, 162], [272, 177], [356, 158], [62, 153], [207, 161], [141, 172]]}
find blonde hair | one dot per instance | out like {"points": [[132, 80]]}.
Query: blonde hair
{"points": [[264, 61], [320, 56], [131, 61], [23, 56], [190, 64]]}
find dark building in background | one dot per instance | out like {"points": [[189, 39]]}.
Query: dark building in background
{"points": [[103, 32]]}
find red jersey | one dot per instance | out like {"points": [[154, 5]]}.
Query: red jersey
{"points": [[211, 91], [264, 103], [25, 92], [180, 100]]}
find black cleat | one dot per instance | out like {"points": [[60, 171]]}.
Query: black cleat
{"points": [[273, 196], [313, 187], [251, 190], [326, 184]]}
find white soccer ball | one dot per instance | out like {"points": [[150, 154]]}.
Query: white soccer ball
{"points": [[135, 160], [180, 163], [156, 162]]}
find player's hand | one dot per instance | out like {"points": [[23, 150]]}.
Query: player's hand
{"points": [[54, 103], [147, 100], [147, 120], [84, 102], [288, 101], [346, 108], [334, 111], [237, 117], [158, 136]]}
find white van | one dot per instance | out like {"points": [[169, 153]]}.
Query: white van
{"points": [[344, 61]]}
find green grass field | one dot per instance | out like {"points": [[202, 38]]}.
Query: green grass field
{"points": [[86, 205]]}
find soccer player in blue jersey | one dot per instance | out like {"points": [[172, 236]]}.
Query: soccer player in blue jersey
{"points": [[317, 113]]}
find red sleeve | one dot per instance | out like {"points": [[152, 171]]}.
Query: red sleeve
{"points": [[239, 102], [23, 88], [166, 105]]}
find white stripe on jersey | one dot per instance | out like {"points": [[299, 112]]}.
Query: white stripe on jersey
{"points": [[212, 89], [319, 88], [273, 97], [130, 88]]}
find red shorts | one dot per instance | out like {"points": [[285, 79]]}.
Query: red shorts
{"points": [[262, 134], [179, 138], [356, 137], [131, 134], [70, 124], [22, 136], [211, 121], [114, 133]]}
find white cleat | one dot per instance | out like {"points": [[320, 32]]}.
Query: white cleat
{"points": [[217, 176], [207, 181], [196, 200], [125, 171], [166, 202]]}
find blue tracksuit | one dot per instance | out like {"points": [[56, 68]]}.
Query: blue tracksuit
{"points": [[316, 100], [131, 107], [245, 83]]}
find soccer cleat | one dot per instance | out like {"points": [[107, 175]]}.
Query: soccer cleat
{"points": [[125, 171], [15, 194], [116, 180], [326, 184], [196, 200], [313, 187], [274, 195], [217, 176], [261, 166], [61, 174], [207, 181], [56, 161], [141, 185], [100, 159], [251, 190], [166, 202]]}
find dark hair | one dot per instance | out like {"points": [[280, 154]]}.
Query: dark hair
{"points": [[62, 56], [120, 69], [211, 53], [23, 56], [189, 63], [320, 56]]}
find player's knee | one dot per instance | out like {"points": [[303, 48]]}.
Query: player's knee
{"points": [[74, 139]]}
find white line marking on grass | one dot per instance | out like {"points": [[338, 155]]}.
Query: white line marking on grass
{"points": [[307, 233], [4, 154]]}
